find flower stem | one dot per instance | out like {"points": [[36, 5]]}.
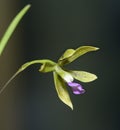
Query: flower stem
{"points": [[23, 67]]}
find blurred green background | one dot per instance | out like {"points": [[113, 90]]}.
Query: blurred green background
{"points": [[46, 31]]}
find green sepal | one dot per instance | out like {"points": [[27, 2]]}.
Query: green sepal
{"points": [[44, 61], [74, 54], [67, 54], [62, 90], [47, 67], [83, 76]]}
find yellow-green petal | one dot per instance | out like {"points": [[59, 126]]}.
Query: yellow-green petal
{"points": [[62, 90], [47, 67], [67, 53], [83, 76], [77, 53]]}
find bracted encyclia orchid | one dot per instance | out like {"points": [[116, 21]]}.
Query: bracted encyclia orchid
{"points": [[63, 77]]}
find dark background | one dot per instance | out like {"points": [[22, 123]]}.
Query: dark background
{"points": [[46, 31]]}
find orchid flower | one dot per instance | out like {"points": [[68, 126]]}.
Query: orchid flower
{"points": [[63, 77]]}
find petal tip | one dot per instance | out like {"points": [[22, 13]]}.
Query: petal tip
{"points": [[97, 48], [70, 105]]}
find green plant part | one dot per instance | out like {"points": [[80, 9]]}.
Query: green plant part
{"points": [[63, 77], [11, 28]]}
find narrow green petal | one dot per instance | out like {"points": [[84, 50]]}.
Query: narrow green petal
{"points": [[83, 76], [62, 90], [44, 61], [12, 27], [47, 67], [77, 53], [67, 53]]}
